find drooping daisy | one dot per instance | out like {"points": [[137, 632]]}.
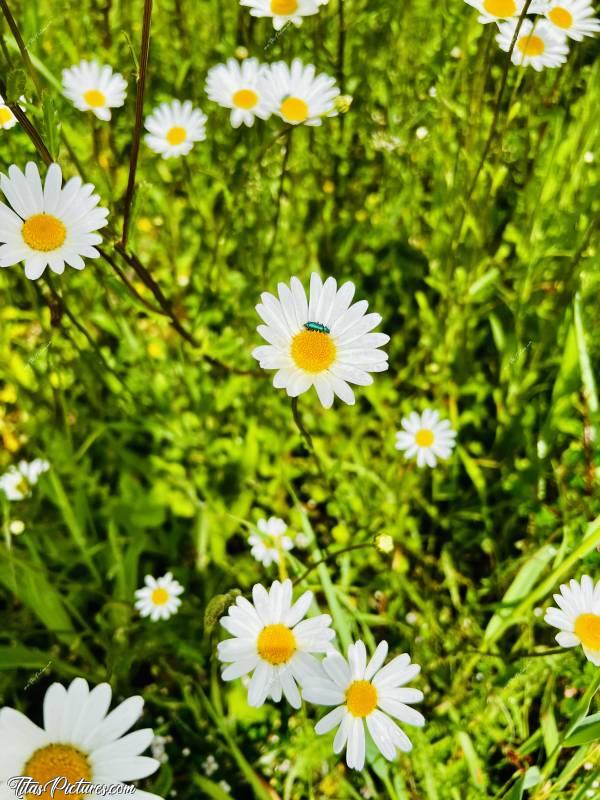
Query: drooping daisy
{"points": [[80, 741], [323, 342], [425, 436], [174, 127], [574, 18], [93, 87], [368, 693], [239, 86], [7, 118], [16, 483], [282, 11], [494, 10], [49, 225], [539, 43], [274, 642], [159, 598], [298, 95], [268, 545], [578, 617]]}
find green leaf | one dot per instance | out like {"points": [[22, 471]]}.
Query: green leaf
{"points": [[588, 730]]}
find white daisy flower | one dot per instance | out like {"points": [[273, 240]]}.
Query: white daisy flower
{"points": [[268, 545], [7, 118], [93, 87], [174, 127], [361, 691], [79, 741], [494, 10], [274, 642], [16, 483], [49, 225], [322, 342], [283, 11], [298, 95], [239, 86], [578, 617], [426, 436], [573, 18], [159, 598], [539, 43]]}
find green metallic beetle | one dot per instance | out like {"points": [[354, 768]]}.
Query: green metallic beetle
{"points": [[317, 327]]}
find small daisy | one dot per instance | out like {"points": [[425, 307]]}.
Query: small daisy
{"points": [[574, 18], [578, 617], [93, 87], [298, 95], [7, 118], [17, 482], [80, 741], [268, 546], [425, 436], [238, 86], [283, 11], [274, 642], [174, 127], [362, 691], [49, 225], [494, 10], [322, 342], [539, 44], [159, 598]]}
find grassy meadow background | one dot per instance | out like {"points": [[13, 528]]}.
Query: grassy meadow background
{"points": [[165, 453]]}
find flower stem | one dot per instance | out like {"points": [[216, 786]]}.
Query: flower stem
{"points": [[22, 47]]}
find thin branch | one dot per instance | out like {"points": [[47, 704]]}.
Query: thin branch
{"points": [[331, 557], [21, 45]]}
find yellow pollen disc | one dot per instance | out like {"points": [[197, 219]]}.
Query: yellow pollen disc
{"points": [[160, 597], [245, 98], [561, 17], [176, 135], [43, 232], [6, 115], [276, 644], [94, 98], [500, 8], [361, 698], [284, 6], [313, 351], [424, 437], [531, 45], [587, 628], [57, 761], [294, 109]]}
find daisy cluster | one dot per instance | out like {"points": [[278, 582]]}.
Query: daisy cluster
{"points": [[542, 39]]}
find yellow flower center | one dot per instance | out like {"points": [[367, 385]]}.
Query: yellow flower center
{"points": [[276, 644], [43, 232], [57, 761], [245, 98], [531, 45], [5, 115], [561, 17], [176, 135], [500, 8], [424, 437], [361, 698], [313, 351], [294, 109], [587, 628], [160, 597], [284, 6], [94, 98]]}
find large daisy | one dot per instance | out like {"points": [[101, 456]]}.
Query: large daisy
{"points": [[573, 18], [323, 342], [174, 127], [239, 86], [159, 598], [298, 95], [268, 545], [283, 11], [578, 617], [426, 437], [274, 642], [495, 10], [48, 225], [80, 741], [93, 87], [16, 483], [366, 693], [539, 43]]}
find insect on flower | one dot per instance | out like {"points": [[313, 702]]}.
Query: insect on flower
{"points": [[316, 326]]}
